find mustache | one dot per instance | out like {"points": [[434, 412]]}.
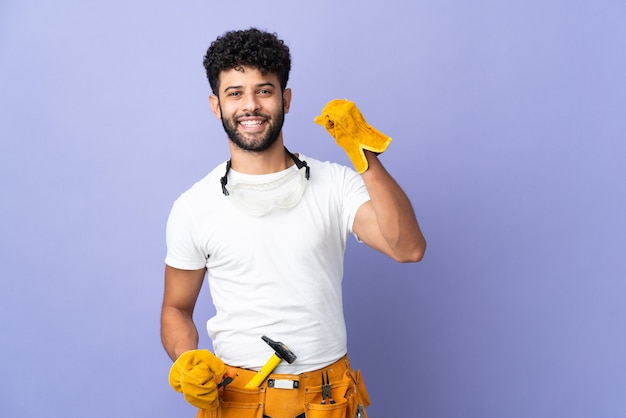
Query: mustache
{"points": [[252, 114]]}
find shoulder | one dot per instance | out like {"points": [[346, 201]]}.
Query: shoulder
{"points": [[202, 197], [208, 186], [333, 179]]}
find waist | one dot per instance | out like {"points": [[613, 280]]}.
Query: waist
{"points": [[242, 347], [335, 372]]}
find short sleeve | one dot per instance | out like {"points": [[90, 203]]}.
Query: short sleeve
{"points": [[183, 251], [354, 195]]}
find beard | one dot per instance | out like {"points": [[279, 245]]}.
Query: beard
{"points": [[255, 142]]}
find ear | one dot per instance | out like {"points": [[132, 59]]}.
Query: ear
{"points": [[286, 100], [215, 106]]}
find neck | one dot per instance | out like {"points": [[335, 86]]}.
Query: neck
{"points": [[272, 160]]}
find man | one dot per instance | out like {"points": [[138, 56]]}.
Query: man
{"points": [[269, 229]]}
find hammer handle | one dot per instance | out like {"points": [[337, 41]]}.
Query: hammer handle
{"points": [[265, 371]]}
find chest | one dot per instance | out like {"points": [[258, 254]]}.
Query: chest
{"points": [[235, 240]]}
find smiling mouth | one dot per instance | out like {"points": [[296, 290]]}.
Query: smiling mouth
{"points": [[251, 123]]}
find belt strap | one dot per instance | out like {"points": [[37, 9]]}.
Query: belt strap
{"points": [[335, 371]]}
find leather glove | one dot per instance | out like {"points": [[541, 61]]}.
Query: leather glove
{"points": [[196, 374], [344, 122]]}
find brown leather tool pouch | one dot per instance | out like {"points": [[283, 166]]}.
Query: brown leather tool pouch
{"points": [[359, 398], [237, 402], [304, 395], [347, 393]]}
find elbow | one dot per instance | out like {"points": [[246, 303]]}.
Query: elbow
{"points": [[414, 254], [414, 257]]}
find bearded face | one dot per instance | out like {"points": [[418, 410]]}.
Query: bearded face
{"points": [[252, 107], [255, 131]]}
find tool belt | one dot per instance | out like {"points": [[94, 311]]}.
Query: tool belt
{"points": [[294, 395]]}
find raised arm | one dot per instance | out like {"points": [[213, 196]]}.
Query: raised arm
{"points": [[387, 222], [178, 331]]}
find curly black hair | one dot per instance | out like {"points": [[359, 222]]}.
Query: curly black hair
{"points": [[251, 47]]}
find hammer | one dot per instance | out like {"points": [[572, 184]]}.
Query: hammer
{"points": [[281, 352]]}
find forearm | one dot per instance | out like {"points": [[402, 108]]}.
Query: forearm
{"points": [[178, 332], [394, 213]]}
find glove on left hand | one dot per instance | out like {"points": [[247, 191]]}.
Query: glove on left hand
{"points": [[344, 122], [196, 374]]}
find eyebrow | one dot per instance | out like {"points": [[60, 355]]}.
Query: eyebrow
{"points": [[266, 84]]}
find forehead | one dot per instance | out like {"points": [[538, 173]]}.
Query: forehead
{"points": [[244, 76]]}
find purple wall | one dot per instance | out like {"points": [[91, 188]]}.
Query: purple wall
{"points": [[509, 130]]}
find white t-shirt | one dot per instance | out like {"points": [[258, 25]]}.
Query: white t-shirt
{"points": [[277, 275]]}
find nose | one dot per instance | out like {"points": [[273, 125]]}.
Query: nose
{"points": [[251, 103]]}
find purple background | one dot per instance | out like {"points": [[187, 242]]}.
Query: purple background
{"points": [[509, 126]]}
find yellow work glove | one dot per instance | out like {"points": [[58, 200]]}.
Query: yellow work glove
{"points": [[196, 374], [344, 122]]}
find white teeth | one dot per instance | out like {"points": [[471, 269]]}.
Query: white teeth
{"points": [[251, 123]]}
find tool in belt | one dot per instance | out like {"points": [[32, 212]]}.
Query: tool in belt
{"points": [[282, 352], [326, 394]]}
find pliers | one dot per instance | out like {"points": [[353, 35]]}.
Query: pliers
{"points": [[326, 390]]}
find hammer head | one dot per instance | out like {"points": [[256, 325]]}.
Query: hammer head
{"points": [[281, 350]]}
